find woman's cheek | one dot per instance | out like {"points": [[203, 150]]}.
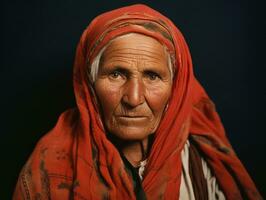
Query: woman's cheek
{"points": [[109, 95], [157, 97]]}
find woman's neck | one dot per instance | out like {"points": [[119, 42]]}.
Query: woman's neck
{"points": [[134, 151]]}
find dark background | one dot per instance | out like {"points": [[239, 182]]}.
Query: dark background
{"points": [[38, 41]]}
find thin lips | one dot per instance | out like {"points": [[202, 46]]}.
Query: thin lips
{"points": [[132, 116]]}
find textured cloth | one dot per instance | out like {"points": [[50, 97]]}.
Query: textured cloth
{"points": [[197, 181], [75, 160]]}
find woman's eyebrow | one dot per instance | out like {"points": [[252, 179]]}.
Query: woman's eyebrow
{"points": [[161, 70], [119, 68]]}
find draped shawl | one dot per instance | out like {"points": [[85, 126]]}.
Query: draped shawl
{"points": [[75, 160]]}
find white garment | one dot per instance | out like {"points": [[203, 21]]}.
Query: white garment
{"points": [[186, 188]]}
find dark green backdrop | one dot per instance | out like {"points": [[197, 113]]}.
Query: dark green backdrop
{"points": [[38, 41]]}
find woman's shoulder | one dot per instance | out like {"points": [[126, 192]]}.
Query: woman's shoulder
{"points": [[62, 134], [51, 159], [57, 144]]}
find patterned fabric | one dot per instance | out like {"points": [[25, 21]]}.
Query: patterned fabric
{"points": [[75, 160]]}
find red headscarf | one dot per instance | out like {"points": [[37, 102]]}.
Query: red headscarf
{"points": [[76, 160]]}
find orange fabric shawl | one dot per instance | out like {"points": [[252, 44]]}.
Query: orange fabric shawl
{"points": [[75, 160]]}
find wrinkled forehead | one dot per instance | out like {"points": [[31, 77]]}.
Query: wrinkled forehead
{"points": [[135, 48], [135, 45]]}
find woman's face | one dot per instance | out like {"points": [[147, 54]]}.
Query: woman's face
{"points": [[133, 86]]}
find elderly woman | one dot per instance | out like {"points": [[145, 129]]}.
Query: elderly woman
{"points": [[144, 128]]}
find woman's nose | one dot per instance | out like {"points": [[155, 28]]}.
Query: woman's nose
{"points": [[133, 93]]}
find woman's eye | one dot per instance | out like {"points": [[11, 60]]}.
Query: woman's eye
{"points": [[115, 74], [153, 76]]}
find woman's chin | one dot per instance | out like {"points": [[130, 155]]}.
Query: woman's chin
{"points": [[131, 133]]}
